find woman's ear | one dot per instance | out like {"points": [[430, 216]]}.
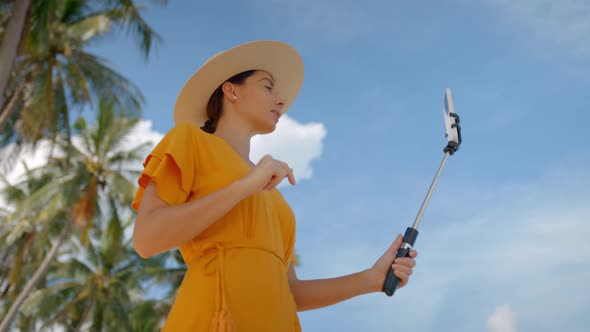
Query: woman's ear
{"points": [[229, 91]]}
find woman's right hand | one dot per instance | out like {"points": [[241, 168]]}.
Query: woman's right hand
{"points": [[267, 174]]}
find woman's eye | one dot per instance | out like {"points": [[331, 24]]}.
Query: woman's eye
{"points": [[269, 88]]}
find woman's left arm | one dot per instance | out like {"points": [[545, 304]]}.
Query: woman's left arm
{"points": [[318, 293]]}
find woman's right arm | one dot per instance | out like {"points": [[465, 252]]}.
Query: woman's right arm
{"points": [[160, 227]]}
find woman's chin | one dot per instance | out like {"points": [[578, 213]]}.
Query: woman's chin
{"points": [[267, 128]]}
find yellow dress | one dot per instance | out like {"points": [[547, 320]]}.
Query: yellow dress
{"points": [[236, 278]]}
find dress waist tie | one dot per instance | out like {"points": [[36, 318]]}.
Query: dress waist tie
{"points": [[211, 257]]}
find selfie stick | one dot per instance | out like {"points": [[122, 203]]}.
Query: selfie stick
{"points": [[453, 135]]}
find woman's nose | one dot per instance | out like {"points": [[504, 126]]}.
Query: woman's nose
{"points": [[280, 102]]}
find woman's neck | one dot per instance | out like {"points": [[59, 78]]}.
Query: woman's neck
{"points": [[237, 136]]}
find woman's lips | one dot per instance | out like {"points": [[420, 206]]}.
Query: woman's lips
{"points": [[276, 114]]}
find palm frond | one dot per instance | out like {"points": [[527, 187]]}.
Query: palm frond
{"points": [[107, 84], [126, 14], [91, 26]]}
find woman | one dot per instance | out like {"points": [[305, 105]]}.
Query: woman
{"points": [[200, 192]]}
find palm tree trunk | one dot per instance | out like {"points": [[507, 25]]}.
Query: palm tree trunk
{"points": [[7, 112], [84, 316], [5, 271], [6, 322], [10, 42]]}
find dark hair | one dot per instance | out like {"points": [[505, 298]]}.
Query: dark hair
{"points": [[214, 105]]}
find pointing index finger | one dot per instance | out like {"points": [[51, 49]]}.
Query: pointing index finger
{"points": [[290, 174]]}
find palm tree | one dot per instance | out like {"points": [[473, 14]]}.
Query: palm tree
{"points": [[19, 259], [54, 74], [91, 176], [97, 289]]}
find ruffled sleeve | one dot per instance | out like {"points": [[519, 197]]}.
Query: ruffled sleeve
{"points": [[171, 166]]}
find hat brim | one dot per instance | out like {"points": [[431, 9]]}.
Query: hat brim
{"points": [[280, 60]]}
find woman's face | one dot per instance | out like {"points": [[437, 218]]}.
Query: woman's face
{"points": [[258, 102]]}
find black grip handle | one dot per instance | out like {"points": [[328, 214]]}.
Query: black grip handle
{"points": [[391, 280]]}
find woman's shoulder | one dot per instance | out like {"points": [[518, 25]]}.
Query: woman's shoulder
{"points": [[185, 133], [185, 128], [178, 140]]}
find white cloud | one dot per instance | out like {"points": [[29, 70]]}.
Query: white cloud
{"points": [[502, 320], [294, 143], [566, 23], [143, 132], [27, 159]]}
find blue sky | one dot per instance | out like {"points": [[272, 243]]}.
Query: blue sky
{"points": [[504, 242]]}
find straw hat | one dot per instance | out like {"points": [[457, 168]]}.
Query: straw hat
{"points": [[280, 60]]}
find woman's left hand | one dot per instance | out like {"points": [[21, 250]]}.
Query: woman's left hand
{"points": [[402, 266]]}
